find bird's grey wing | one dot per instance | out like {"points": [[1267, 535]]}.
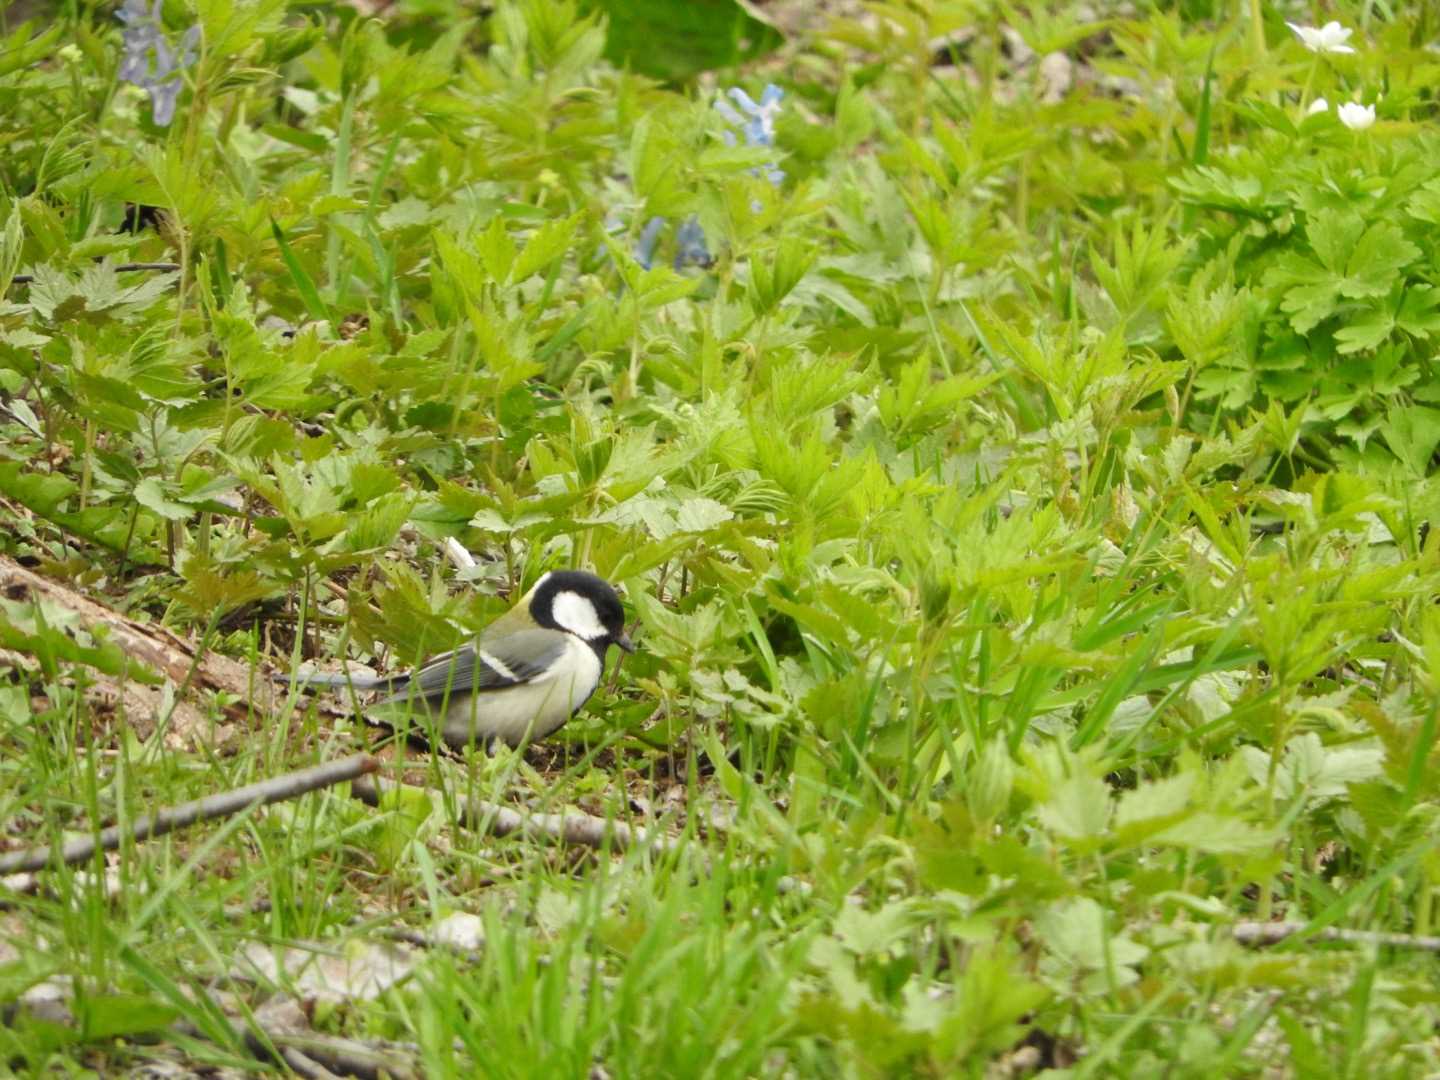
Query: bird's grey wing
{"points": [[490, 664]]}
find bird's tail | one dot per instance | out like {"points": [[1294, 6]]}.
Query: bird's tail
{"points": [[334, 680]]}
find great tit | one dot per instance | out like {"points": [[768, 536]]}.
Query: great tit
{"points": [[524, 675]]}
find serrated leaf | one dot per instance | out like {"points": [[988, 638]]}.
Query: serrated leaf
{"points": [[46, 494], [701, 515], [1419, 313], [375, 527], [1218, 834], [1424, 204], [1333, 235], [546, 245], [151, 494], [1365, 331], [1412, 432], [1310, 769], [497, 249], [1078, 808], [1377, 260], [1156, 799], [1080, 933]]}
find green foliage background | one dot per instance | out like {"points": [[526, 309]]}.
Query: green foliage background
{"points": [[1026, 517]]}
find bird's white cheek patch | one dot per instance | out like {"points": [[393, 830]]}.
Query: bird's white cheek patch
{"points": [[576, 613]]}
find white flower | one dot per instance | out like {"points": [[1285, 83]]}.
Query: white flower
{"points": [[1319, 105], [1355, 116], [1329, 38]]}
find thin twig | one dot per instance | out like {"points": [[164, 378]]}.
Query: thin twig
{"points": [[164, 267], [573, 828], [419, 939], [224, 804], [1272, 933]]}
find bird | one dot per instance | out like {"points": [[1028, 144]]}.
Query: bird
{"points": [[519, 680]]}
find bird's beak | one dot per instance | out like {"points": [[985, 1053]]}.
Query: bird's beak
{"points": [[624, 642]]}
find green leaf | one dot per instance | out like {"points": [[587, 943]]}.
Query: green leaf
{"points": [[678, 39], [1086, 945], [1078, 807], [25, 628], [547, 244], [1412, 432], [1365, 331], [1377, 260], [12, 241], [150, 493], [104, 525], [1218, 834], [19, 50], [97, 290], [1158, 800], [772, 277], [304, 284], [211, 587], [1419, 313], [1354, 262], [1334, 235], [114, 1016], [375, 528], [1424, 205], [497, 249], [701, 515], [403, 812]]}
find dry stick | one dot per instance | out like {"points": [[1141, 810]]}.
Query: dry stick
{"points": [[288, 786], [334, 1056], [310, 1053], [573, 828], [1268, 933], [301, 1065]]}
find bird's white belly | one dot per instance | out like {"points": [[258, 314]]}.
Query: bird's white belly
{"points": [[530, 710]]}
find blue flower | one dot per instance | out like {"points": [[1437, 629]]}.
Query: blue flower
{"points": [[756, 121], [150, 62], [760, 127], [644, 250], [690, 246]]}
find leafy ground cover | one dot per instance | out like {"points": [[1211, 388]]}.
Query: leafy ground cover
{"points": [[1013, 434]]}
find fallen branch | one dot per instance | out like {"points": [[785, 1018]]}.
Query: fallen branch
{"points": [[157, 648], [314, 1055], [301, 1065], [1272, 933], [574, 828], [224, 804], [310, 1054]]}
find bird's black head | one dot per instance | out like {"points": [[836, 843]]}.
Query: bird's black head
{"points": [[580, 604]]}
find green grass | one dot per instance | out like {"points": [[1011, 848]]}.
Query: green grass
{"points": [[1026, 518]]}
